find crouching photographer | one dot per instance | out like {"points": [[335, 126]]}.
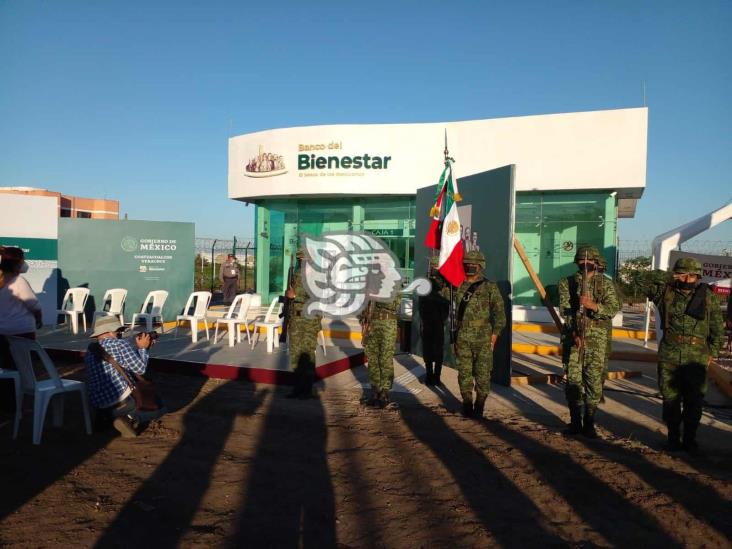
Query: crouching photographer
{"points": [[115, 368]]}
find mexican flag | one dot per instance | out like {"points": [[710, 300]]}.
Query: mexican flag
{"points": [[445, 233]]}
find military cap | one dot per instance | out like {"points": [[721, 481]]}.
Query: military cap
{"points": [[602, 262], [688, 265], [474, 257], [590, 252]]}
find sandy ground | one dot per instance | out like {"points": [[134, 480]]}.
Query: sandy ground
{"points": [[241, 465]]}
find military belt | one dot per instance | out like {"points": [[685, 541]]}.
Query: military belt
{"points": [[688, 340], [382, 315]]}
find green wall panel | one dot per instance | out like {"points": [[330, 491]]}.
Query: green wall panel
{"points": [[137, 255]]}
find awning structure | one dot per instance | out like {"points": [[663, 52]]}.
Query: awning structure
{"points": [[663, 244]]}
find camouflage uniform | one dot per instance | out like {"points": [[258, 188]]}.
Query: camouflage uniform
{"points": [[609, 322], [433, 311], [585, 374], [302, 333], [484, 316], [379, 348], [692, 334]]}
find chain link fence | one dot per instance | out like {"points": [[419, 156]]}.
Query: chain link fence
{"points": [[210, 253]]}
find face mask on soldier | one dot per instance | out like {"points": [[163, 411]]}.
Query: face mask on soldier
{"points": [[681, 285]]}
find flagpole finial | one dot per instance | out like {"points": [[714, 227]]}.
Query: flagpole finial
{"points": [[448, 159]]}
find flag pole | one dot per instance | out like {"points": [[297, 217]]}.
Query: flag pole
{"points": [[452, 319]]}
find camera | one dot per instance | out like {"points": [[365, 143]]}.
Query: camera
{"points": [[153, 335]]}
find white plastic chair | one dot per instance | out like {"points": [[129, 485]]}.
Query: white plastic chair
{"points": [[44, 390], [234, 319], [73, 306], [155, 301], [196, 314], [15, 376], [116, 298], [271, 322]]}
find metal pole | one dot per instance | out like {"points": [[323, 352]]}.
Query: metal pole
{"points": [[246, 262], [213, 265]]}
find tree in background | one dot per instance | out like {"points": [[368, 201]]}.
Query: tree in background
{"points": [[635, 277]]}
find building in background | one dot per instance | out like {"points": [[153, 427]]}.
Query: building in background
{"points": [[72, 206], [576, 175]]}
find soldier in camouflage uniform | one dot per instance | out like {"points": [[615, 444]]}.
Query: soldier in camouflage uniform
{"points": [[433, 311], [482, 320], [693, 334], [584, 357], [601, 269], [379, 321], [302, 333]]}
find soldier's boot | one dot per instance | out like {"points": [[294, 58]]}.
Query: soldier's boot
{"points": [[468, 406], [384, 401], [479, 407], [575, 420], [689, 443], [430, 377], [588, 428], [438, 372], [373, 399], [672, 417]]}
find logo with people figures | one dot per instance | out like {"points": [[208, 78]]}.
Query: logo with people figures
{"points": [[265, 164], [129, 244], [342, 271]]}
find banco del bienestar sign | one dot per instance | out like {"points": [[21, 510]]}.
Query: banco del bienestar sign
{"points": [[315, 161], [590, 150]]}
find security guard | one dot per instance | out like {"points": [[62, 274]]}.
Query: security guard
{"points": [[480, 318], [433, 311], [693, 334], [587, 301], [302, 333]]}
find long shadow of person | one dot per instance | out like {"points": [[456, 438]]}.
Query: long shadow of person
{"points": [[510, 516], [593, 500], [289, 499], [177, 486], [699, 499]]}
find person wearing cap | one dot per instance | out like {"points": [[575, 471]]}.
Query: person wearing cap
{"points": [[302, 334], [587, 302], [693, 334], [229, 278], [433, 311], [109, 392], [480, 317]]}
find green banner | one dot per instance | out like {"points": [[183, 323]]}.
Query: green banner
{"points": [[44, 249], [139, 256]]}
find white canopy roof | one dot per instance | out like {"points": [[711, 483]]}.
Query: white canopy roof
{"points": [[664, 243]]}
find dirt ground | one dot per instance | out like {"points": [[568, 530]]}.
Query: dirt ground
{"points": [[240, 465]]}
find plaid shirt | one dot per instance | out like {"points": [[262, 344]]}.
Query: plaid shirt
{"points": [[106, 385]]}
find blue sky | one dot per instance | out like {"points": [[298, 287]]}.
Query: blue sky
{"points": [[135, 100]]}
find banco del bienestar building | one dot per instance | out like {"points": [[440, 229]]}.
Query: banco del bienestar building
{"points": [[576, 175]]}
